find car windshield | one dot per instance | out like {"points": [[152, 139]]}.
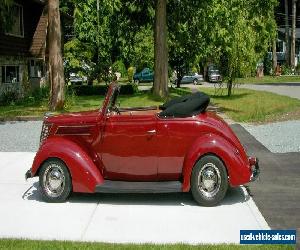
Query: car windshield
{"points": [[215, 72]]}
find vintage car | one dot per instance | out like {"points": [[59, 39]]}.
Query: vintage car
{"points": [[177, 147]]}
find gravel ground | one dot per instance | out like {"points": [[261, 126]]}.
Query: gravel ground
{"points": [[20, 136], [279, 137]]}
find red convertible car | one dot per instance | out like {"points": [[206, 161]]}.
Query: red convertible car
{"points": [[178, 147]]}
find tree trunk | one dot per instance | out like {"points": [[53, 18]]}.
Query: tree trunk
{"points": [[293, 37], [274, 56], [56, 70], [287, 32], [160, 50]]}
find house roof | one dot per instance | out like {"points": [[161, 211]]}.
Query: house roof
{"points": [[38, 45]]}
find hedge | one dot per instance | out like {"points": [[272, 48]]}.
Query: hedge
{"points": [[86, 90]]}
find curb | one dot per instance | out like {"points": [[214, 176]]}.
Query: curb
{"points": [[21, 119]]}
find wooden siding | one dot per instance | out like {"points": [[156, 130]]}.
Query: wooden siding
{"points": [[19, 46]]}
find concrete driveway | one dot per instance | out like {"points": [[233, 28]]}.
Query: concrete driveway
{"points": [[136, 218]]}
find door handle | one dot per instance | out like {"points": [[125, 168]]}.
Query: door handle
{"points": [[151, 132]]}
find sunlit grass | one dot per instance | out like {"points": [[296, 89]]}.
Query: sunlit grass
{"points": [[253, 106], [33, 245], [269, 79]]}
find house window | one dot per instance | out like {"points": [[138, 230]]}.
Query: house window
{"points": [[17, 26], [36, 68], [279, 46], [10, 74]]}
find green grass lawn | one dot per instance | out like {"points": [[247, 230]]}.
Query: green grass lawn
{"points": [[255, 106], [269, 79], [80, 103], [243, 106], [31, 245]]}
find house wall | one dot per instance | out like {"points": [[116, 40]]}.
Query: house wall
{"points": [[19, 46], [13, 61], [16, 51]]}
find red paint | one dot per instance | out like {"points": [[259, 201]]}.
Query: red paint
{"points": [[139, 146]]}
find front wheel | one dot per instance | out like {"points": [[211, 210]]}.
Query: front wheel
{"points": [[209, 181], [137, 81], [195, 81], [55, 181]]}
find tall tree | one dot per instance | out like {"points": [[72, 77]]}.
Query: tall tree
{"points": [[160, 50], [56, 68], [293, 35], [287, 31]]}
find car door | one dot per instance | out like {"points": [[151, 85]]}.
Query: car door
{"points": [[174, 136], [129, 148]]}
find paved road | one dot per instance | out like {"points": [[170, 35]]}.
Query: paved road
{"points": [[136, 218], [287, 89], [20, 136], [277, 192]]}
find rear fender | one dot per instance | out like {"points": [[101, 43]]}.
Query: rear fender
{"points": [[85, 174], [238, 170]]}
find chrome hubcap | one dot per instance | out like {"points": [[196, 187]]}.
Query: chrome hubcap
{"points": [[209, 180], [54, 180]]}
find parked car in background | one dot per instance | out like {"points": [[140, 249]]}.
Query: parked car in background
{"points": [[146, 75], [213, 74], [131, 150], [192, 78], [75, 79]]}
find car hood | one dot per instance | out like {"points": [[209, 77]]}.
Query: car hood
{"points": [[73, 118]]}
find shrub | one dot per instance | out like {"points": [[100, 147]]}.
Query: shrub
{"points": [[286, 70], [119, 66], [86, 90], [130, 73], [8, 98]]}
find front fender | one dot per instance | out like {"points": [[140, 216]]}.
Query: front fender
{"points": [[238, 169], [85, 174]]}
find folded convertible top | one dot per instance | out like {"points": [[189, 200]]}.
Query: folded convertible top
{"points": [[185, 106]]}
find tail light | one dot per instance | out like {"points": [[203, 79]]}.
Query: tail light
{"points": [[45, 132]]}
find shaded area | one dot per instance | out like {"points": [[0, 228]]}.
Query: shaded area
{"points": [[277, 192]]}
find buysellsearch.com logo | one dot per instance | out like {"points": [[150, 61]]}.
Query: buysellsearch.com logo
{"points": [[267, 236]]}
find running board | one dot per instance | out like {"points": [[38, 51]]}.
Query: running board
{"points": [[139, 187]]}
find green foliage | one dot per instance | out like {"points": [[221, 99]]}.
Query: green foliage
{"points": [[8, 98], [142, 54], [241, 34], [130, 73], [119, 66], [286, 69]]}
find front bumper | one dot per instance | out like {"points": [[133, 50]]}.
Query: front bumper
{"points": [[28, 174], [255, 171]]}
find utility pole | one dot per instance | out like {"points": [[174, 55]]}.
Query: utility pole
{"points": [[293, 45], [287, 32], [98, 30]]}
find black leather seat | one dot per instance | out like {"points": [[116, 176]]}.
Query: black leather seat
{"points": [[185, 106]]}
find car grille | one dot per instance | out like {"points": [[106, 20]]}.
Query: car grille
{"points": [[45, 132]]}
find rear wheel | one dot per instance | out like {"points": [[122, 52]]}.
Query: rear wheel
{"points": [[55, 181], [137, 81], [209, 181], [195, 81]]}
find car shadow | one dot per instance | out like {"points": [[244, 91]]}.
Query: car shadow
{"points": [[233, 196]]}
